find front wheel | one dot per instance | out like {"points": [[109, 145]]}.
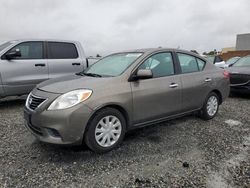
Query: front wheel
{"points": [[106, 130], [210, 107]]}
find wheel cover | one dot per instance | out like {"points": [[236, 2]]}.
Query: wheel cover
{"points": [[108, 131], [212, 105]]}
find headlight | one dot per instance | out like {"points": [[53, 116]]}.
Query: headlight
{"points": [[70, 99]]}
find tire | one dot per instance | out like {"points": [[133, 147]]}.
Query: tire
{"points": [[205, 113], [101, 130]]}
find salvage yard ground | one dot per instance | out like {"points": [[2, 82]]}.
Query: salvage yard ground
{"points": [[183, 152]]}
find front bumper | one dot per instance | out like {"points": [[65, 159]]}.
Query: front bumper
{"points": [[244, 88], [64, 127]]}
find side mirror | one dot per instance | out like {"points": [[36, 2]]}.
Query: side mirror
{"points": [[13, 54], [144, 74]]}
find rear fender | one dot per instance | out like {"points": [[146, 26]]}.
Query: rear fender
{"points": [[1, 88]]}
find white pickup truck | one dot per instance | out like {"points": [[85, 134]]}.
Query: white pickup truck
{"points": [[25, 63]]}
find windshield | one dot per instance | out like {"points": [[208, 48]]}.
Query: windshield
{"points": [[113, 65], [232, 60], [4, 45], [243, 62]]}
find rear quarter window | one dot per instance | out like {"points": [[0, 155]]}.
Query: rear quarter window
{"points": [[62, 50]]}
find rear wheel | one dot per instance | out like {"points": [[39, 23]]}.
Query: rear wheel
{"points": [[106, 130], [210, 107]]}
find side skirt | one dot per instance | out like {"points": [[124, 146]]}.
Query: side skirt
{"points": [[151, 122]]}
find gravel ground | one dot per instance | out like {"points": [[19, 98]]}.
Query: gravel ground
{"points": [[187, 152]]}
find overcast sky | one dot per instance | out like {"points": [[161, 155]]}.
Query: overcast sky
{"points": [[104, 26]]}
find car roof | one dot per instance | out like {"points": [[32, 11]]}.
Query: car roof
{"points": [[150, 50], [143, 50], [41, 39], [155, 50]]}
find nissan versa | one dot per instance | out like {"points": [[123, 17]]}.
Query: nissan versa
{"points": [[121, 92]]}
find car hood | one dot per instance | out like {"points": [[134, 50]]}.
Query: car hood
{"points": [[73, 82], [239, 70]]}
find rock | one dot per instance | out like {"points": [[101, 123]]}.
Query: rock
{"points": [[185, 164]]}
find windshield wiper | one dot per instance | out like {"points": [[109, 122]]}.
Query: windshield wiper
{"points": [[88, 74], [92, 74]]}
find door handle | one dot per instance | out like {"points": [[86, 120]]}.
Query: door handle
{"points": [[76, 64], [40, 65], [173, 85], [208, 80]]}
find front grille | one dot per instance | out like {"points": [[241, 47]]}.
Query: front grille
{"points": [[34, 102], [239, 78]]}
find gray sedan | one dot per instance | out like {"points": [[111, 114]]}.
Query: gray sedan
{"points": [[124, 91]]}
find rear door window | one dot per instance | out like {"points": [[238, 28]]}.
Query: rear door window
{"points": [[62, 50], [188, 63]]}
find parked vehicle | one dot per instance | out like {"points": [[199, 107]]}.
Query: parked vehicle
{"points": [[25, 63], [240, 75], [231, 61], [121, 92], [217, 61]]}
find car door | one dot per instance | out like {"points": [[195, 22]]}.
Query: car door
{"points": [[63, 59], [195, 82], [22, 74], [159, 96]]}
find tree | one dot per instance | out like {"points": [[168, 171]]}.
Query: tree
{"points": [[212, 53]]}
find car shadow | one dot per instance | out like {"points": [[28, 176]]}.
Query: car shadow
{"points": [[55, 153], [240, 95], [148, 134], [11, 102]]}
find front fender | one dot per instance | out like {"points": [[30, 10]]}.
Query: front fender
{"points": [[126, 110]]}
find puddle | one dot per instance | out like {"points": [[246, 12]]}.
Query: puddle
{"points": [[232, 122], [236, 125], [235, 161], [216, 181]]}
